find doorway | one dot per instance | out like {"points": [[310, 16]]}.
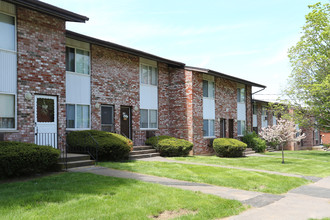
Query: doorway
{"points": [[126, 121], [46, 120], [231, 128]]}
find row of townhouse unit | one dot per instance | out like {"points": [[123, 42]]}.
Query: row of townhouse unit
{"points": [[53, 81], [263, 117]]}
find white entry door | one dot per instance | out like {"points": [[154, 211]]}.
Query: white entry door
{"points": [[46, 120]]}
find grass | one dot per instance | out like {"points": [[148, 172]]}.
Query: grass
{"points": [[89, 196], [308, 163], [246, 180]]}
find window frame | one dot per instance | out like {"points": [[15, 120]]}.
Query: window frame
{"points": [[242, 127], [15, 113], [113, 116], [210, 94], [239, 95], [209, 126], [148, 118], [75, 117], [15, 40], [75, 64], [9, 93], [149, 73]]}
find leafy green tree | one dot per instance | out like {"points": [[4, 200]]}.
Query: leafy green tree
{"points": [[308, 89]]}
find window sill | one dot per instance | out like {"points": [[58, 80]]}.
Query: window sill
{"points": [[9, 131], [209, 137], [79, 74], [149, 129], [78, 129]]}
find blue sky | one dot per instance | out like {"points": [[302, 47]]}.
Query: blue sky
{"points": [[246, 39]]}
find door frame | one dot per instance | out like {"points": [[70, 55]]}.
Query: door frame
{"points": [[36, 123], [129, 120]]}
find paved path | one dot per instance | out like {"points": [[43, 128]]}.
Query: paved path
{"points": [[162, 159]]}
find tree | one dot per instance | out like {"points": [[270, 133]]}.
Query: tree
{"points": [[308, 89], [282, 133]]}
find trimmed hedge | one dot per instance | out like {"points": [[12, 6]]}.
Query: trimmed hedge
{"points": [[228, 147], [170, 146], [253, 141], [17, 159], [112, 146]]}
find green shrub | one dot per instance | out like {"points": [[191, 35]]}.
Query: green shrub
{"points": [[326, 145], [253, 141], [228, 147], [170, 146], [17, 159], [111, 146]]}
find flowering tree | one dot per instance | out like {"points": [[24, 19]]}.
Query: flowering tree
{"points": [[283, 132]]}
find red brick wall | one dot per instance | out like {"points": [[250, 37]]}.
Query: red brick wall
{"points": [[325, 137], [40, 68], [225, 105], [115, 81]]}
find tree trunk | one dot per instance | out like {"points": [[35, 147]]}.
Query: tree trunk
{"points": [[282, 153]]}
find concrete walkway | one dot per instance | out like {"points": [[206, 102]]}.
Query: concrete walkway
{"points": [[162, 159], [305, 202]]}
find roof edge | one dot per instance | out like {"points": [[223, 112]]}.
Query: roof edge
{"points": [[215, 73], [50, 9], [121, 48]]}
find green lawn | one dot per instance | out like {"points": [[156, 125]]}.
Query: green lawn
{"points": [[311, 163], [253, 181], [305, 154], [89, 196]]}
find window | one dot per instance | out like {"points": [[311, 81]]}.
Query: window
{"points": [[7, 111], [77, 116], [107, 118], [149, 75], [240, 95], [208, 128], [148, 119], [208, 89], [77, 60], [7, 36], [264, 111], [240, 128], [255, 110]]}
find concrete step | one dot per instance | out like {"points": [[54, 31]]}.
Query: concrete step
{"points": [[74, 157], [248, 152], [142, 147], [80, 163], [140, 156], [136, 152], [248, 149]]}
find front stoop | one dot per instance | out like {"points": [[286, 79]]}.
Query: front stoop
{"points": [[76, 160], [248, 151], [140, 152]]}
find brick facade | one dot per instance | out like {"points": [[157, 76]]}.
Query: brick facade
{"points": [[40, 68], [115, 80]]}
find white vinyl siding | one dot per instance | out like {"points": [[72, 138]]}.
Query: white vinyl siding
{"points": [[148, 94], [208, 105], [8, 67], [78, 88], [241, 109]]}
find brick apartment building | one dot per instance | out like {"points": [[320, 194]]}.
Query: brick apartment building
{"points": [[53, 81]]}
